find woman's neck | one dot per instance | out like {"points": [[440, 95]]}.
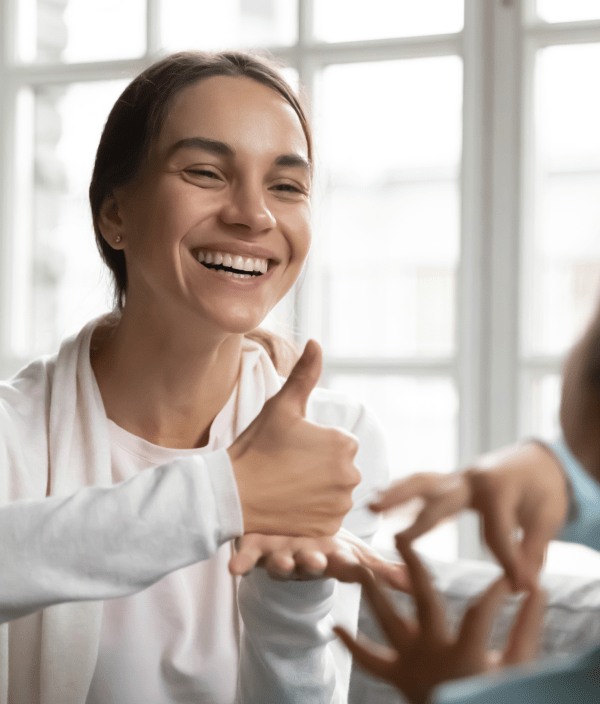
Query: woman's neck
{"points": [[162, 384]]}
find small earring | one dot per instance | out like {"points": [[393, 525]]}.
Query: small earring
{"points": [[118, 239]]}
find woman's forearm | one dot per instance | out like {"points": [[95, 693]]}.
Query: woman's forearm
{"points": [[107, 542]]}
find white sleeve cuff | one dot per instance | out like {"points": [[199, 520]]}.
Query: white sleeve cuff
{"points": [[229, 507]]}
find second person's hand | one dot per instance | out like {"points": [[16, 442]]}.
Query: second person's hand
{"points": [[519, 489], [422, 654]]}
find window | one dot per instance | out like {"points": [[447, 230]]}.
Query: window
{"points": [[457, 227]]}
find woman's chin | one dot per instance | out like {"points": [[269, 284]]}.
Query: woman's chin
{"points": [[239, 324]]}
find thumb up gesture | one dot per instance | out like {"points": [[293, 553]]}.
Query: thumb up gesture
{"points": [[294, 477]]}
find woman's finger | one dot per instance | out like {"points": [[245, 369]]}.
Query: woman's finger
{"points": [[310, 564], [344, 566], [373, 657], [392, 574], [478, 620], [248, 553], [524, 637], [429, 606], [242, 563], [280, 564]]}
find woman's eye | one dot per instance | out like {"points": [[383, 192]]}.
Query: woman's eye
{"points": [[203, 172], [287, 188]]}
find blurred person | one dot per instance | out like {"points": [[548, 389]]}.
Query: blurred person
{"points": [[132, 459], [544, 491]]}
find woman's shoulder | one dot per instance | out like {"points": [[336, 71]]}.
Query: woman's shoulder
{"points": [[27, 391]]}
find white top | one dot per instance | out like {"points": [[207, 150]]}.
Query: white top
{"points": [[176, 640], [71, 536]]}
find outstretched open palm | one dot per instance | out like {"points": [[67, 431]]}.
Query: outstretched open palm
{"points": [[342, 556]]}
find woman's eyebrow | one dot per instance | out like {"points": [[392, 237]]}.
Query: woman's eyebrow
{"points": [[294, 160], [221, 149], [207, 145]]}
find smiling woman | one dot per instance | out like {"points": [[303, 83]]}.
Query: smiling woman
{"points": [[216, 180], [139, 116], [162, 433]]}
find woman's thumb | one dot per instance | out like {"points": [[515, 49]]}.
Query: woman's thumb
{"points": [[302, 379]]}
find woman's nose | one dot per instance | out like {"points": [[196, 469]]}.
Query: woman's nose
{"points": [[246, 206]]}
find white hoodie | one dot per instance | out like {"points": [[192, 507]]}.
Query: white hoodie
{"points": [[71, 538]]}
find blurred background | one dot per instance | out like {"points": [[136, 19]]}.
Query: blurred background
{"points": [[457, 207]]}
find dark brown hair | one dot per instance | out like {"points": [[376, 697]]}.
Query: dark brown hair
{"points": [[136, 120]]}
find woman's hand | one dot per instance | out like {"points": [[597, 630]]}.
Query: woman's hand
{"points": [[521, 487], [294, 477], [422, 654], [342, 556]]}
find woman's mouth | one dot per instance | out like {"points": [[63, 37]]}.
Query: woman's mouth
{"points": [[233, 265]]}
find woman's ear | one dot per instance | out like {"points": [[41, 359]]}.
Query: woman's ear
{"points": [[110, 222]]}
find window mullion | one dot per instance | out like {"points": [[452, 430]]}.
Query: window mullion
{"points": [[474, 300], [473, 296], [505, 232], [306, 13], [152, 27], [7, 126]]}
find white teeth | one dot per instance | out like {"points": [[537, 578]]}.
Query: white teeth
{"points": [[234, 261], [242, 276]]}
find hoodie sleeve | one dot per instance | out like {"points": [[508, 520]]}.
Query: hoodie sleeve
{"points": [[107, 542]]}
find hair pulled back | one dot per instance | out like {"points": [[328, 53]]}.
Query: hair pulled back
{"points": [[137, 117]]}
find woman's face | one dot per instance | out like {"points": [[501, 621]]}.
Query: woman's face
{"points": [[225, 189]]}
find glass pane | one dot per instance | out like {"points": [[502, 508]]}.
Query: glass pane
{"points": [[380, 19], [571, 11], [189, 24], [562, 260], [418, 414], [390, 216], [70, 285], [419, 417], [541, 402], [81, 30], [439, 544]]}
